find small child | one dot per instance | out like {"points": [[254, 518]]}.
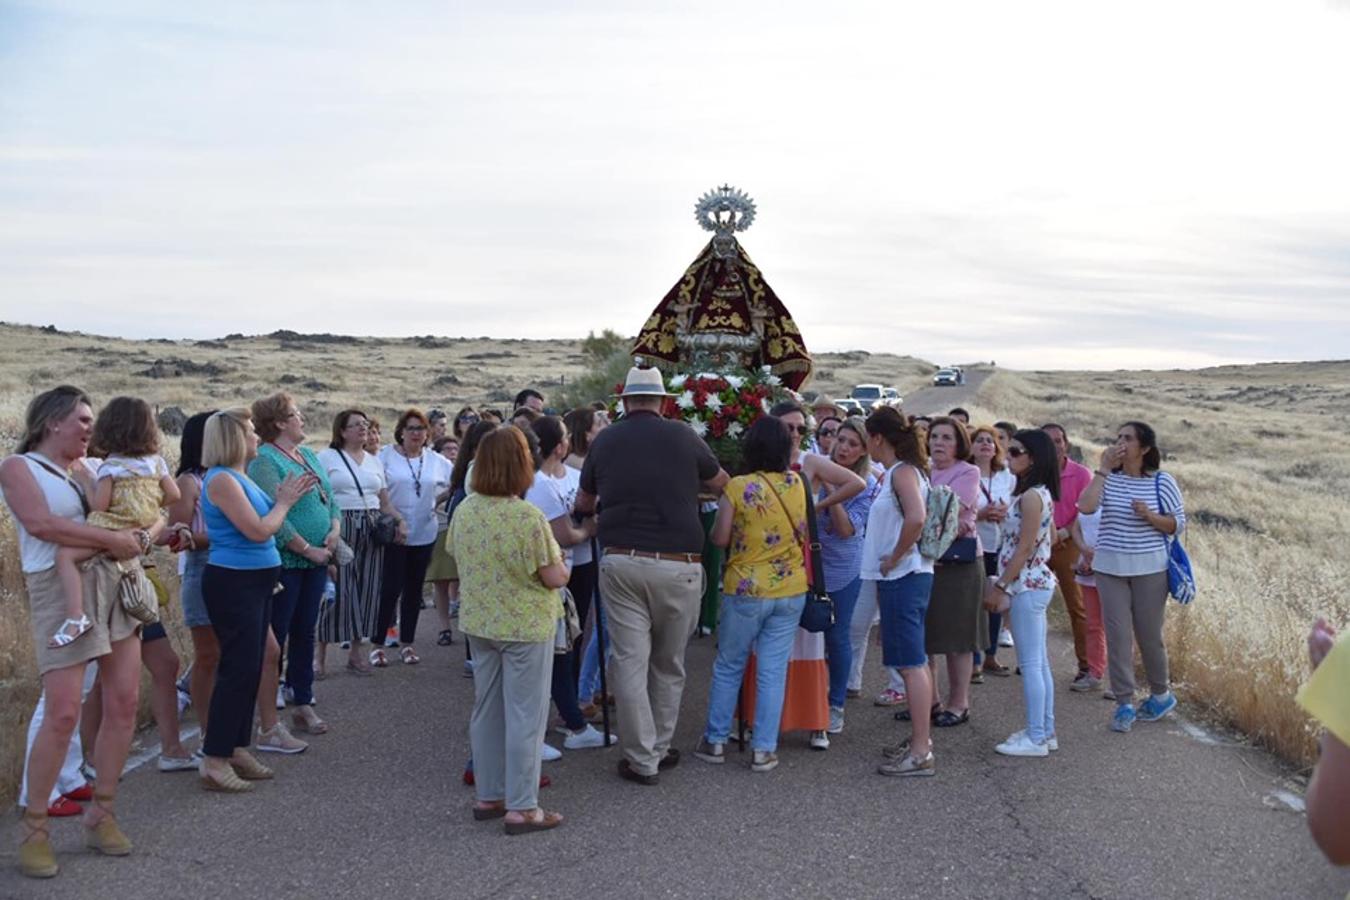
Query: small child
{"points": [[132, 485]]}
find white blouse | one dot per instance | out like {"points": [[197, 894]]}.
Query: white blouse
{"points": [[997, 488], [370, 470], [413, 485]]}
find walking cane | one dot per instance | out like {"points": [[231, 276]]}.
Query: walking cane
{"points": [[600, 646]]}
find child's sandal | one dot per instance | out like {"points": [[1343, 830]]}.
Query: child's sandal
{"points": [[64, 637]]}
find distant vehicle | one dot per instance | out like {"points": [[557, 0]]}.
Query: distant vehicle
{"points": [[850, 406], [891, 397], [947, 378], [866, 395]]}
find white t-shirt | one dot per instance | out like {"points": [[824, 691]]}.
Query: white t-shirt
{"points": [[555, 497], [997, 488], [152, 466], [1088, 523], [370, 470], [413, 486]]}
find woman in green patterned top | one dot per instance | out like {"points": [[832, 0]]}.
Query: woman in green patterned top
{"points": [[307, 541], [510, 570]]}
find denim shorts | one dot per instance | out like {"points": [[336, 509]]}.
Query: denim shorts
{"points": [[903, 603], [153, 632], [194, 607]]}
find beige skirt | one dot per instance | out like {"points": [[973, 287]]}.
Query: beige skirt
{"points": [[47, 609]]}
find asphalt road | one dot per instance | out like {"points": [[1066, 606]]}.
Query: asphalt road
{"points": [[935, 401], [376, 809]]}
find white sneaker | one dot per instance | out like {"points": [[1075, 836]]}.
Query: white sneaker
{"points": [[836, 720], [586, 738], [1005, 638], [281, 697], [177, 764], [1051, 743], [1020, 745], [548, 752], [820, 740]]}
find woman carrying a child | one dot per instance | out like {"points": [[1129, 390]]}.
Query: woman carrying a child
{"points": [[49, 508]]}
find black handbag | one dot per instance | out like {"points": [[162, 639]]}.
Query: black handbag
{"points": [[384, 527], [962, 550], [818, 613]]}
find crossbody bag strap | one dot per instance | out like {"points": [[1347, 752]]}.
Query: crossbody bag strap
{"points": [[64, 476], [359, 490], [1162, 510], [817, 564]]}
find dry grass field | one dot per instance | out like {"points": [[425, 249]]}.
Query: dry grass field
{"points": [[1258, 450]]}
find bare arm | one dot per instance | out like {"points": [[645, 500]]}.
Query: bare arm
{"points": [[554, 575], [29, 506], [844, 485], [182, 508], [102, 496], [585, 502], [569, 535], [1329, 801], [387, 507], [721, 530], [169, 488], [715, 484]]}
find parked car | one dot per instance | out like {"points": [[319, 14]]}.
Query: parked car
{"points": [[946, 378], [850, 406], [866, 395], [891, 397]]}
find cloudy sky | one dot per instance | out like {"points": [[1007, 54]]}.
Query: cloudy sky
{"points": [[1046, 184]]}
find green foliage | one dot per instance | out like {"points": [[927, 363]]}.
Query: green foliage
{"points": [[599, 349], [598, 382]]}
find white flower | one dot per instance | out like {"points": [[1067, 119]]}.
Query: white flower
{"points": [[735, 430], [735, 381], [685, 400], [702, 375], [772, 379], [678, 382], [765, 405], [700, 427], [714, 402]]}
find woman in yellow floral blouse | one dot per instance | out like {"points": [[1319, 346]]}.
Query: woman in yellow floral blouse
{"points": [[510, 570], [761, 520]]}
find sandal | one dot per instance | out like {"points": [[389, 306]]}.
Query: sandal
{"points": [[36, 858], [226, 782], [445, 638], [544, 822], [409, 656], [949, 719], [491, 811], [994, 667], [105, 836], [903, 715], [359, 668], [64, 637], [307, 720], [377, 659]]}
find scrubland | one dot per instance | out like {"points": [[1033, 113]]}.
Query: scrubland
{"points": [[1259, 452]]}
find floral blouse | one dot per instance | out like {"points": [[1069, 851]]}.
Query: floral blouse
{"points": [[766, 556], [1036, 574], [500, 544]]}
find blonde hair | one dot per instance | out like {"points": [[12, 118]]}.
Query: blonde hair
{"points": [[46, 410], [225, 442]]}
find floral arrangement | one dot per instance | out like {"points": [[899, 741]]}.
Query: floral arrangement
{"points": [[721, 407]]}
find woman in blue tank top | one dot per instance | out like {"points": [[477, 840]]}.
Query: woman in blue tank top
{"points": [[241, 572]]}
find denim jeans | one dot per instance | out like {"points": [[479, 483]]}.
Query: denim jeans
{"points": [[295, 616], [589, 681], [838, 645], [1038, 688], [770, 627]]}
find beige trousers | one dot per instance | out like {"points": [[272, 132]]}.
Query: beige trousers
{"points": [[651, 606]]}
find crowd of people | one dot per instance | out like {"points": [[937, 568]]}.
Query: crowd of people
{"points": [[535, 528]]}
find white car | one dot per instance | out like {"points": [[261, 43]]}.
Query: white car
{"points": [[866, 395], [946, 378]]}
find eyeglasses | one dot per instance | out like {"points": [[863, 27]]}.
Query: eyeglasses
{"points": [[414, 428], [1015, 452], [470, 420], [358, 424]]}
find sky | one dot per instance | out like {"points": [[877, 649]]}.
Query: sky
{"points": [[1048, 185]]}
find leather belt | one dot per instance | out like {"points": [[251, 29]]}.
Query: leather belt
{"points": [[652, 554]]}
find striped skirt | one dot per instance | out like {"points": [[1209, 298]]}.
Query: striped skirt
{"points": [[352, 614]]}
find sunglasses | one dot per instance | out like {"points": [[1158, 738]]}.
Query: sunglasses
{"points": [[1016, 452], [828, 432], [470, 419], [796, 429]]}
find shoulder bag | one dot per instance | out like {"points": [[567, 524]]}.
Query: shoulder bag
{"points": [[818, 613], [1180, 578], [384, 526]]}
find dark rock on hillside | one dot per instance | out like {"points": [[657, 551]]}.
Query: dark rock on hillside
{"points": [[176, 368], [171, 420]]}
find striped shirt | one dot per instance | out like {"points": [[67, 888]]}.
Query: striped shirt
{"points": [[1124, 539]]}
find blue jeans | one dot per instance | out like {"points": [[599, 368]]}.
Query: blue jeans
{"points": [[769, 626], [838, 646], [295, 615], [903, 603], [589, 680], [1038, 688]]}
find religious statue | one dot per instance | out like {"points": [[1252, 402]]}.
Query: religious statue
{"points": [[722, 315]]}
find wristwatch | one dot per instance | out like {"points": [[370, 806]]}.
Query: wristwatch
{"points": [[1001, 586]]}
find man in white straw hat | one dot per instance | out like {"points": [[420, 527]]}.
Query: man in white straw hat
{"points": [[647, 472]]}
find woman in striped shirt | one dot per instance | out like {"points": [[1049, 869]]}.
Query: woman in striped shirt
{"points": [[1141, 507]]}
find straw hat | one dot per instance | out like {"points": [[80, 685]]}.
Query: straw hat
{"points": [[824, 403], [643, 383]]}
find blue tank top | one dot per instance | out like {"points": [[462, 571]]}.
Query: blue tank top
{"points": [[230, 548]]}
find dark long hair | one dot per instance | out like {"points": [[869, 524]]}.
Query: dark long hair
{"points": [[466, 452], [1044, 467], [1148, 442], [767, 446], [190, 448], [904, 437], [550, 432]]}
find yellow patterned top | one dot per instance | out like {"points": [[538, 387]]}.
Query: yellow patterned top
{"points": [[1326, 696], [136, 493], [766, 558]]}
